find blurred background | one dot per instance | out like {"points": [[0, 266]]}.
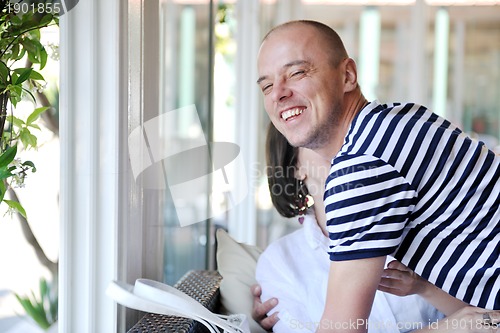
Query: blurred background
{"points": [[443, 54]]}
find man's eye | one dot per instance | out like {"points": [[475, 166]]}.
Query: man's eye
{"points": [[296, 73], [266, 88]]}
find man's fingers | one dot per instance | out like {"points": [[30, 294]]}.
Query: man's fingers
{"points": [[260, 310], [256, 290], [269, 322], [268, 305]]}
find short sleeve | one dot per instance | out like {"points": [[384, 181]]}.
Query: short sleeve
{"points": [[368, 204]]}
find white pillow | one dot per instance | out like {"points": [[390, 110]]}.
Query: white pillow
{"points": [[236, 264]]}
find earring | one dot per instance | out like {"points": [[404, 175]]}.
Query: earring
{"points": [[304, 201]]}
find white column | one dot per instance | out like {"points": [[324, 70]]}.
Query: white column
{"points": [[440, 83], [90, 155], [458, 80], [287, 10], [140, 227], [417, 79], [349, 35], [369, 52], [400, 76], [242, 218]]}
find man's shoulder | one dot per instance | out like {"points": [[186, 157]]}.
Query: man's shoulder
{"points": [[378, 122], [393, 109]]}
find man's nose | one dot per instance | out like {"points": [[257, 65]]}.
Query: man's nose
{"points": [[280, 91]]}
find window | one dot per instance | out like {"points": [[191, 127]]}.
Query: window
{"points": [[128, 75]]}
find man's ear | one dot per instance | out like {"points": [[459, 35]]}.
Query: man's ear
{"points": [[351, 75]]}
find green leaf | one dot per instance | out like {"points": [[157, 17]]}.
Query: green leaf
{"points": [[46, 20], [3, 189], [43, 288], [33, 310], [8, 156], [6, 173], [35, 114], [15, 121], [29, 45], [43, 57], [4, 73], [29, 164], [16, 206], [16, 94], [29, 93], [36, 76], [24, 74], [21, 54], [35, 33], [15, 51], [42, 309], [16, 20], [35, 48], [33, 57], [28, 139]]}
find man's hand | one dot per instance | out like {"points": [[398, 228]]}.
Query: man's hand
{"points": [[260, 310]]}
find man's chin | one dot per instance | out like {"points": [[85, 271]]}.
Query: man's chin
{"points": [[302, 141], [309, 144], [299, 142]]}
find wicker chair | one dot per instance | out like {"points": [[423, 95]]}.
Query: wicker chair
{"points": [[202, 286]]}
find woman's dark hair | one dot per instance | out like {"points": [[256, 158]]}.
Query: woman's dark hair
{"points": [[281, 160]]}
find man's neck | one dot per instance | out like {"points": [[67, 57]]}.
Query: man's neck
{"points": [[352, 107]]}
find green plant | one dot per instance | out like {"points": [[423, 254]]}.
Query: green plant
{"points": [[22, 57], [20, 50], [42, 309]]}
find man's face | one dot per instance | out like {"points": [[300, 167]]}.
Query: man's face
{"points": [[302, 90]]}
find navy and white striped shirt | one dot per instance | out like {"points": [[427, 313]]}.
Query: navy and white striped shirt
{"points": [[408, 183]]}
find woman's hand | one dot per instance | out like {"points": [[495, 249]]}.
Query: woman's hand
{"points": [[469, 319], [399, 280]]}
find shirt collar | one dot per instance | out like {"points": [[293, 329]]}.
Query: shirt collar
{"points": [[313, 234]]}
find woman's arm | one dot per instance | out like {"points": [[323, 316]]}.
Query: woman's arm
{"points": [[399, 280], [469, 319], [351, 289]]}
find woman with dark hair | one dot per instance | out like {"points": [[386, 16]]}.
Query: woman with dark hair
{"points": [[281, 160], [293, 271]]}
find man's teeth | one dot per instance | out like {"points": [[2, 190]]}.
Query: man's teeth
{"points": [[292, 112]]}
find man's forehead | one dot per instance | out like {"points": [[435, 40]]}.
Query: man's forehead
{"points": [[285, 46], [292, 28]]}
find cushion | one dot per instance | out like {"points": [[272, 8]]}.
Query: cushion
{"points": [[236, 264]]}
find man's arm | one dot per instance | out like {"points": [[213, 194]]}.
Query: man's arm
{"points": [[351, 290], [260, 310]]}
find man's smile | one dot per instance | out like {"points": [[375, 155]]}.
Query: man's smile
{"points": [[293, 112]]}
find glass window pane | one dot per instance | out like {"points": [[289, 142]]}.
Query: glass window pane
{"points": [[185, 76]]}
